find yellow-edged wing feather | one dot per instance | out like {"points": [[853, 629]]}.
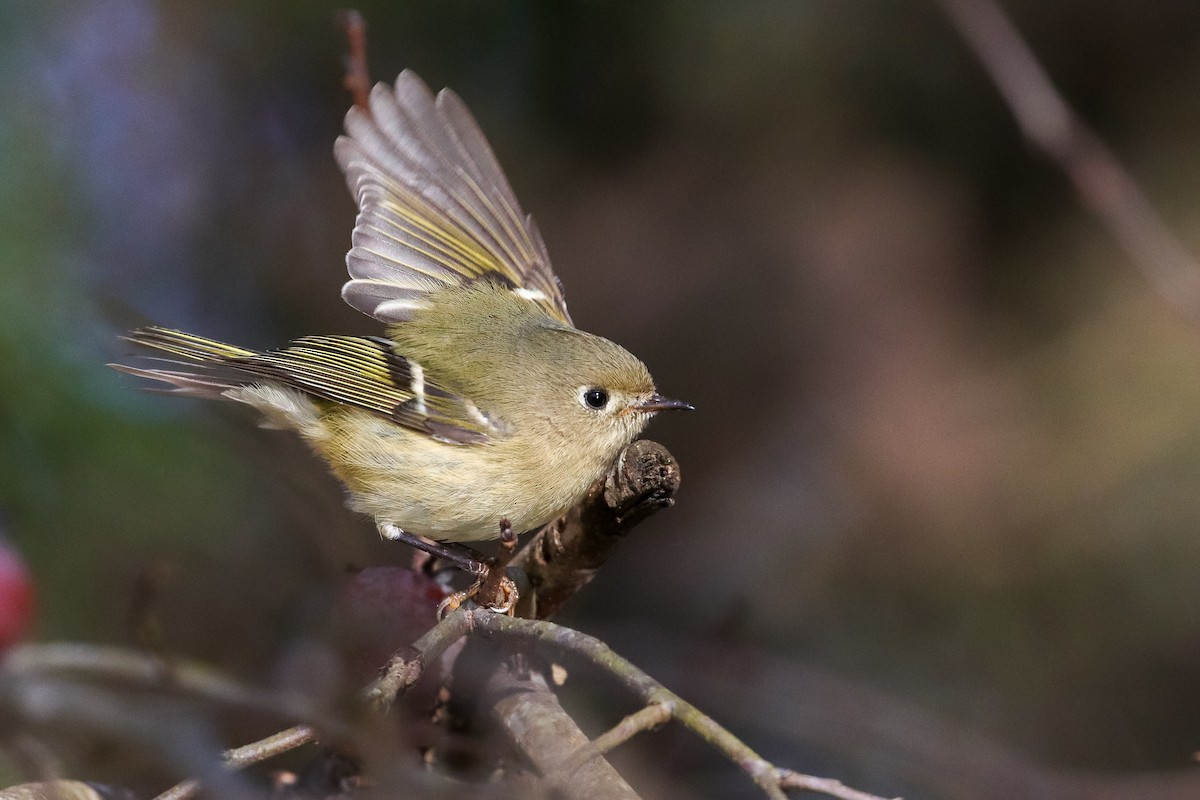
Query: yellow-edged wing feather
{"points": [[435, 209], [363, 372]]}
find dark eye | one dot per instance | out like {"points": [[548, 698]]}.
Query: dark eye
{"points": [[595, 398]]}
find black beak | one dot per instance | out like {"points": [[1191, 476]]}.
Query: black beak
{"points": [[656, 402]]}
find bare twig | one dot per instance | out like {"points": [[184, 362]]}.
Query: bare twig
{"points": [[181, 791], [644, 719], [357, 79], [246, 755], [828, 786], [1051, 125]]}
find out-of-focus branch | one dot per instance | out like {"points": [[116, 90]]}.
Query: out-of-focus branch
{"points": [[563, 557], [357, 78], [246, 755], [65, 790], [114, 664], [33, 673], [1051, 125], [529, 716], [183, 742]]}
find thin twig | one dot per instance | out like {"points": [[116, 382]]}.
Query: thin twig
{"points": [[1101, 182], [246, 755], [645, 719], [270, 747], [357, 79], [828, 786], [181, 791]]}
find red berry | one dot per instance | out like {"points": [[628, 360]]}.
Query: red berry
{"points": [[16, 597], [381, 609]]}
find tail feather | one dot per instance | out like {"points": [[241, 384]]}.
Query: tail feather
{"points": [[202, 383], [217, 371], [188, 345], [186, 384]]}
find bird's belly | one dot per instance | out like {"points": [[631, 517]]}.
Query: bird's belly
{"points": [[447, 492]]}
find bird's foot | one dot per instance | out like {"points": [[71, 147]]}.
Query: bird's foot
{"points": [[494, 590], [503, 604]]}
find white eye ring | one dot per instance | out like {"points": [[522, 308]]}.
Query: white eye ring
{"points": [[593, 398]]}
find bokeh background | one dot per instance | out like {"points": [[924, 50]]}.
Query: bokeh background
{"points": [[943, 483]]}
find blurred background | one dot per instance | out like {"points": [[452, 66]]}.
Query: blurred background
{"points": [[943, 476]]}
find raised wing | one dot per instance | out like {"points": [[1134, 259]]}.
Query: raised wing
{"points": [[364, 372], [435, 210]]}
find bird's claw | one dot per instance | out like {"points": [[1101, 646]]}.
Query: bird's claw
{"points": [[504, 604]]}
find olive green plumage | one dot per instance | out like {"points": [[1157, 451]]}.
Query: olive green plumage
{"points": [[483, 402]]}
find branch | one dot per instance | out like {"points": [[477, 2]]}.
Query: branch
{"points": [[771, 779], [31, 668], [246, 755], [408, 665], [179, 739], [28, 687], [563, 556], [101, 663], [537, 727], [357, 79], [646, 718], [1101, 182]]}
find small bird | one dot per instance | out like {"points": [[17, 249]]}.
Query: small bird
{"points": [[483, 404]]}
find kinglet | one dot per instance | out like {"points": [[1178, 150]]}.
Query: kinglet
{"points": [[483, 403]]}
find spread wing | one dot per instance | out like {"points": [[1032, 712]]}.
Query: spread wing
{"points": [[435, 209], [364, 372]]}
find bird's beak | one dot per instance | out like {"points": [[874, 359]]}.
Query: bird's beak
{"points": [[656, 402]]}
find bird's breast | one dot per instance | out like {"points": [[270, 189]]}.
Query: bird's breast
{"points": [[453, 492]]}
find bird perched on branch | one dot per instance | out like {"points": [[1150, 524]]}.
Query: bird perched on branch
{"points": [[482, 403]]}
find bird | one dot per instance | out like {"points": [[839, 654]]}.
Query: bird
{"points": [[481, 405]]}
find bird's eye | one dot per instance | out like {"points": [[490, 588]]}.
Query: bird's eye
{"points": [[594, 399]]}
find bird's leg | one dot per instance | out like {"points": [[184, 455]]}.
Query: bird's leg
{"points": [[464, 558], [494, 589]]}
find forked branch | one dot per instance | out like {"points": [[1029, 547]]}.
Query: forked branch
{"points": [[661, 704]]}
